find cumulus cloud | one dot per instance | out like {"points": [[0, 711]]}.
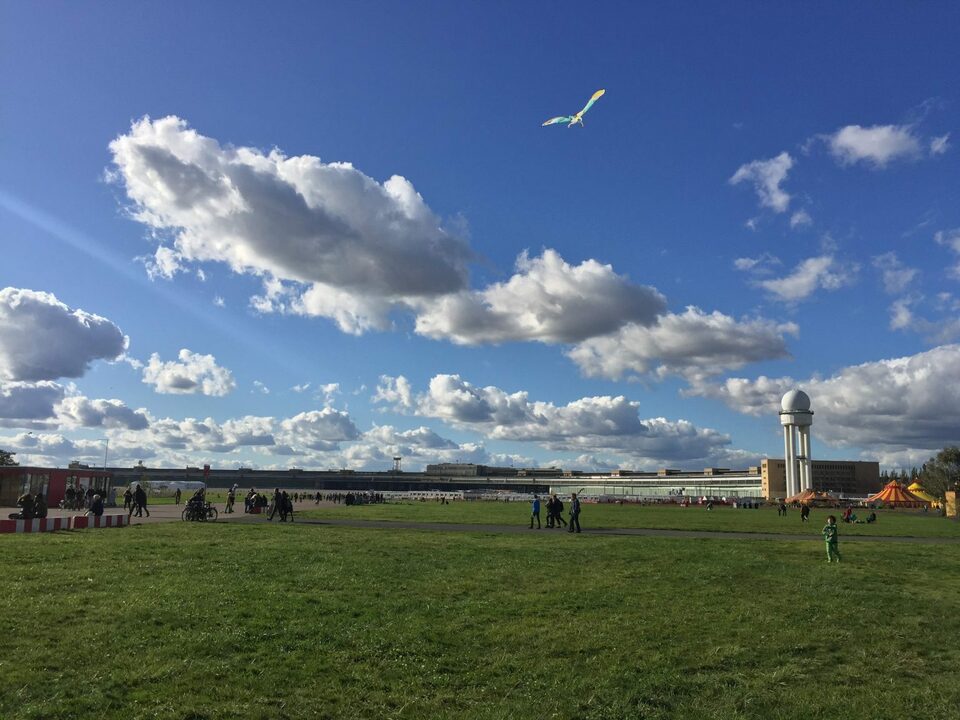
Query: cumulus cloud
{"points": [[821, 272], [876, 145], [325, 226], [546, 300], [944, 329], [29, 401], [318, 429], [191, 374], [896, 276], [584, 425], [766, 177], [905, 403], [395, 392], [80, 411], [164, 263], [690, 344], [41, 338]]}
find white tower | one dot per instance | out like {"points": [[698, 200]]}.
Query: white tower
{"points": [[796, 418]]}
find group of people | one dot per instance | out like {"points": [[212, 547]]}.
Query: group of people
{"points": [[554, 507], [135, 501]]}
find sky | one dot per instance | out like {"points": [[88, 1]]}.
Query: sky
{"points": [[324, 235]]}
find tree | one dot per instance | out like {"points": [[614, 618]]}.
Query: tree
{"points": [[6, 458], [942, 472]]}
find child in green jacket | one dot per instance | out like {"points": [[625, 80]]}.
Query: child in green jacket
{"points": [[831, 537]]}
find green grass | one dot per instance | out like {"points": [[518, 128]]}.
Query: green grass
{"points": [[284, 621], [721, 518]]}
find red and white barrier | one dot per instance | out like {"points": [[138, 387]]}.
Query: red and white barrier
{"points": [[35, 525], [77, 522], [81, 522]]}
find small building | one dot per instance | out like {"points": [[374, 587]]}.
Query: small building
{"points": [[15, 480], [840, 477]]}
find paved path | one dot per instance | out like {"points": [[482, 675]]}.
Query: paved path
{"points": [[647, 532]]}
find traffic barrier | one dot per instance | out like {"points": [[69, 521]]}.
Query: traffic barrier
{"points": [[36, 525], [82, 522]]}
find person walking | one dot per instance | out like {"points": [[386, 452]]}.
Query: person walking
{"points": [[535, 511], [277, 506], [140, 500], [176, 497], [574, 513], [231, 499], [830, 534], [287, 507], [128, 500], [558, 512], [804, 513]]}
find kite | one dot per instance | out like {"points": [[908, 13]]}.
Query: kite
{"points": [[578, 118]]}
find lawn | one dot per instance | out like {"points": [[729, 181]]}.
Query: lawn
{"points": [[721, 518], [297, 621]]}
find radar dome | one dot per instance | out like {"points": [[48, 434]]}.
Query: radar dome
{"points": [[795, 401]]}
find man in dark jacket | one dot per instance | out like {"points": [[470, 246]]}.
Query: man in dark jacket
{"points": [[140, 500], [574, 513], [39, 506], [96, 506], [558, 512]]}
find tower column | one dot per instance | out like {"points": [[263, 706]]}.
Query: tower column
{"points": [[786, 459]]}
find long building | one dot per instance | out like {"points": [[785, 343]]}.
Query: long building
{"points": [[766, 481]]}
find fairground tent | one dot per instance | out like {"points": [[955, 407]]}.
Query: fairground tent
{"points": [[917, 490], [813, 497], [894, 493]]}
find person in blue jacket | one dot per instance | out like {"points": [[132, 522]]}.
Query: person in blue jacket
{"points": [[535, 511]]}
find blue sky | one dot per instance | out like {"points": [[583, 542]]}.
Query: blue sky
{"points": [[766, 197]]}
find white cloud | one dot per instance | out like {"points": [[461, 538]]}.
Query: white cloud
{"points": [[394, 391], [876, 145], [318, 429], [766, 177], [325, 226], [43, 339], [801, 218], [193, 374], [951, 239], [29, 401], [896, 276], [219, 301], [261, 388], [547, 300], [905, 403], [943, 330], [164, 263], [583, 425], [80, 411], [939, 145], [762, 264], [690, 344], [301, 388], [820, 272]]}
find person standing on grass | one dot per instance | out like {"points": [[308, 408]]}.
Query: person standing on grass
{"points": [[231, 499], [128, 500], [831, 538], [140, 500], [574, 513], [535, 511], [176, 497], [804, 513], [558, 512], [287, 507]]}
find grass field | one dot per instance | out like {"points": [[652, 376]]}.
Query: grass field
{"points": [[721, 518], [286, 621]]}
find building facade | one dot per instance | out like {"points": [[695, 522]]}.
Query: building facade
{"points": [[849, 478]]}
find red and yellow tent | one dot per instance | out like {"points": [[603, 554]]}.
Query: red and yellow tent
{"points": [[894, 493], [918, 490], [812, 497]]}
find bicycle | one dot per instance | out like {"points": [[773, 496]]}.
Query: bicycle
{"points": [[192, 511]]}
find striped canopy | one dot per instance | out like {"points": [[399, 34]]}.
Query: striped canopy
{"points": [[894, 493]]}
